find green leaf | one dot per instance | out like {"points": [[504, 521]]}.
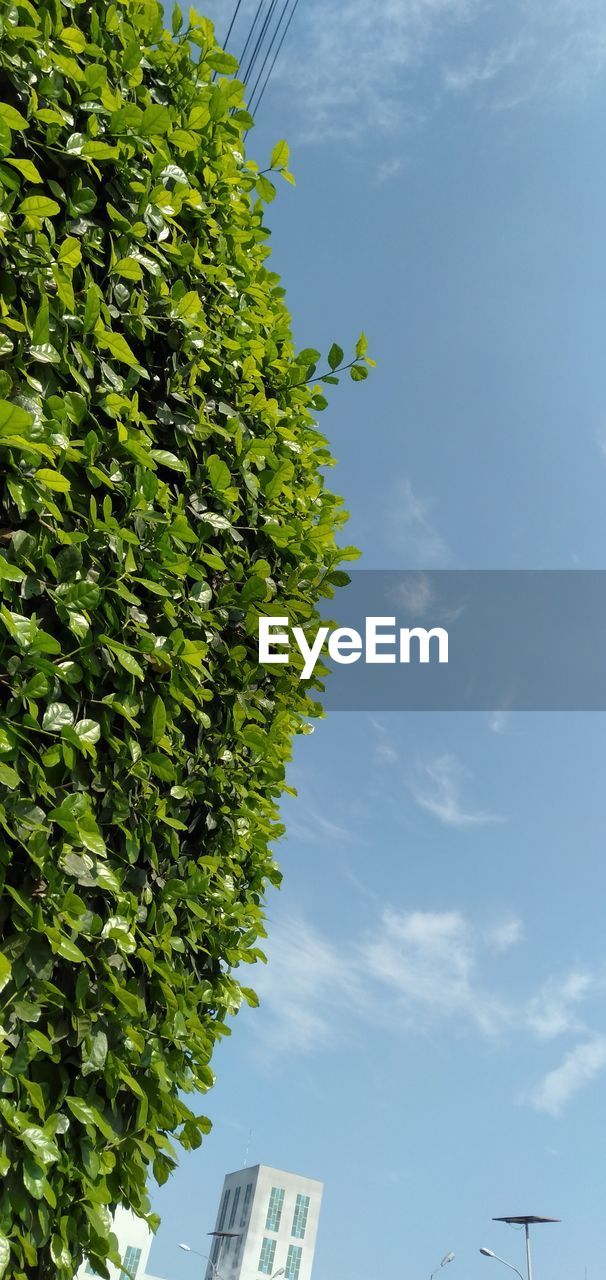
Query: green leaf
{"points": [[10, 572], [173, 171], [97, 150], [128, 268], [219, 473], [8, 777], [5, 971], [280, 155], [126, 119], [358, 372], [129, 663], [70, 253], [161, 766], [94, 1059], [13, 419], [335, 356], [69, 951], [92, 308], [155, 121], [74, 38], [83, 595], [184, 139], [90, 835], [188, 306], [90, 1116], [44, 353], [39, 1143], [5, 1254], [361, 346], [69, 563], [38, 207], [27, 168], [53, 480], [118, 347], [88, 730], [158, 719], [12, 117], [266, 189], [167, 459], [56, 716]]}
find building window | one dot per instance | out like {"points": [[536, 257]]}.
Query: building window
{"points": [[130, 1266], [268, 1253], [293, 1262], [299, 1221], [221, 1222], [274, 1212], [234, 1207], [247, 1195]]}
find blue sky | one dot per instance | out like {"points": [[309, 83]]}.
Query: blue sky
{"points": [[432, 1035]]}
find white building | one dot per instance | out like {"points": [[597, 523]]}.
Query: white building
{"points": [[267, 1221], [134, 1243]]}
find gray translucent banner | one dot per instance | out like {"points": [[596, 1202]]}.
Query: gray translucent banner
{"points": [[516, 641]]}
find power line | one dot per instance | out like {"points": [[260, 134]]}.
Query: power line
{"points": [[231, 25], [252, 60], [251, 31], [276, 56], [269, 49]]}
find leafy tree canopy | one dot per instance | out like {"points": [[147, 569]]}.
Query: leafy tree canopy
{"points": [[160, 484]]}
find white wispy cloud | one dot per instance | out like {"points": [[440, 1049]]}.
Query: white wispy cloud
{"points": [[498, 722], [413, 532], [360, 71], [410, 972], [389, 168], [385, 752], [409, 969], [310, 825], [428, 960], [438, 789], [553, 1010], [578, 1068], [505, 934], [483, 68], [309, 989], [362, 54]]}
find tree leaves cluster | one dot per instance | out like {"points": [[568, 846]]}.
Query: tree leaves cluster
{"points": [[161, 482]]}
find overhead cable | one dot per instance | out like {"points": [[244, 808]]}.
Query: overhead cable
{"points": [[276, 56]]}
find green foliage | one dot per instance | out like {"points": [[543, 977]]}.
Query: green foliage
{"points": [[160, 485]]}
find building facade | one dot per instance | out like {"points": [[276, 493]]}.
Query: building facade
{"points": [[267, 1221], [134, 1243]]}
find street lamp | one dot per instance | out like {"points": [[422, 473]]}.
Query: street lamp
{"points": [[488, 1253], [448, 1257], [217, 1274], [519, 1220], [188, 1249]]}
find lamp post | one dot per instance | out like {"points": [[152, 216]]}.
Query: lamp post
{"points": [[188, 1249], [519, 1220], [448, 1257], [488, 1253], [217, 1274]]}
